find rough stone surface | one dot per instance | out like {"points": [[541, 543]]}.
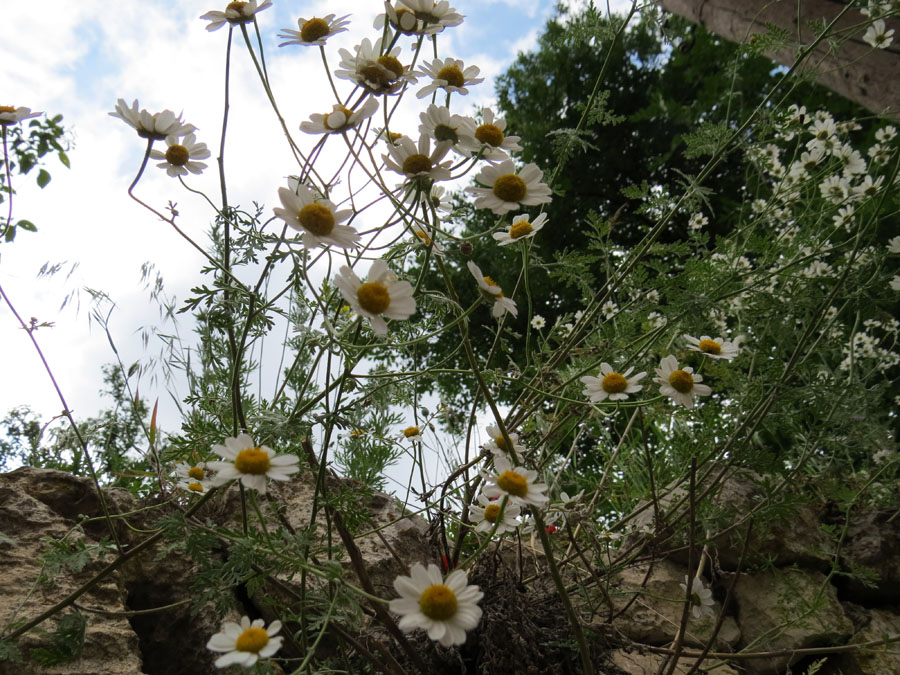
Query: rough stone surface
{"points": [[872, 548], [39, 503], [796, 540], [635, 663], [787, 609], [655, 615], [883, 660]]}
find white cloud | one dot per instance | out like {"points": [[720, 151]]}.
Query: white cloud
{"points": [[77, 59]]}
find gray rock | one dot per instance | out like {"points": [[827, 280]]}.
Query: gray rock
{"points": [[787, 609]]}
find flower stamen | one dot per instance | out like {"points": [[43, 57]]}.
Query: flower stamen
{"points": [[513, 483], [254, 461], [490, 134], [615, 383], [681, 381], [521, 229], [252, 640], [417, 163], [373, 297], [317, 218], [177, 155], [452, 75], [510, 188], [314, 29], [710, 347], [438, 602]]}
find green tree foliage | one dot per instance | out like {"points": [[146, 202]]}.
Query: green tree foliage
{"points": [[26, 151], [670, 95]]}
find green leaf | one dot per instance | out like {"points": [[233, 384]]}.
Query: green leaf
{"points": [[43, 178], [66, 641], [64, 159], [27, 225]]}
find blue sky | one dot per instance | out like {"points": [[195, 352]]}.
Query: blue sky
{"points": [[76, 59]]}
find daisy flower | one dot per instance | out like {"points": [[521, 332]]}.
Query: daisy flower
{"points": [[340, 119], [613, 385], [435, 15], [235, 13], [314, 31], [418, 17], [156, 126], [489, 141], [538, 322], [877, 36], [485, 515], [316, 218], [436, 199], [180, 157], [492, 292], [701, 598], [713, 348], [439, 124], [451, 75], [245, 643], [521, 228], [894, 245], [193, 477], [516, 482], [418, 162], [497, 445], [412, 434], [10, 115], [679, 384], [425, 238], [697, 222], [369, 68], [445, 608], [505, 190], [251, 463], [381, 295]]}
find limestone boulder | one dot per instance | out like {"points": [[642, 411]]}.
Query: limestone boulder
{"points": [[654, 608], [871, 553], [787, 609], [38, 506]]}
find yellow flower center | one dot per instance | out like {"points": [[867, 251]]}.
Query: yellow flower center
{"points": [[410, 431], [416, 164], [521, 229], [452, 75], [394, 136], [314, 29], [510, 188], [491, 511], [443, 132], [494, 284], [438, 602], [252, 640], [373, 297], [7, 109], [238, 6], [358, 432], [177, 155], [392, 64], [253, 461], [490, 134], [514, 483], [375, 75], [197, 472], [317, 218], [710, 347], [500, 442], [421, 234], [615, 383], [333, 119], [681, 381], [195, 487]]}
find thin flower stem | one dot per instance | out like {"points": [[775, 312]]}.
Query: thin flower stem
{"points": [[30, 330]]}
